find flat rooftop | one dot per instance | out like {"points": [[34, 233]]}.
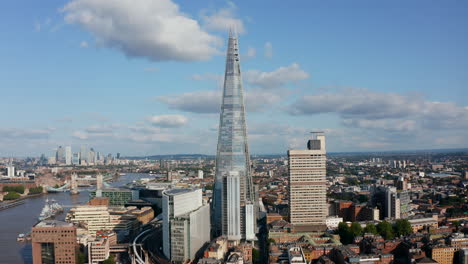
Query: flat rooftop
{"points": [[53, 223]]}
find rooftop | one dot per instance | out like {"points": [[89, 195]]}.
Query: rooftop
{"points": [[53, 223]]}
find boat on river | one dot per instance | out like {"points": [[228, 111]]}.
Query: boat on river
{"points": [[51, 208]]}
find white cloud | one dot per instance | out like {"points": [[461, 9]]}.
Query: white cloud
{"points": [[156, 30], [195, 102], [80, 135], [151, 69], [223, 20], [209, 102], [268, 53], [84, 44], [366, 109], [251, 52], [168, 120], [276, 78]]}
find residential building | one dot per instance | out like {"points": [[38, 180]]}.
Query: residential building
{"points": [[307, 185]]}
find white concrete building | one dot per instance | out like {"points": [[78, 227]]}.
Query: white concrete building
{"points": [[186, 223]]}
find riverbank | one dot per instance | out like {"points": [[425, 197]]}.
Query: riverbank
{"points": [[10, 204]]}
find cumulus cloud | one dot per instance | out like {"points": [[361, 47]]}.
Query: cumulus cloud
{"points": [[156, 30], [25, 134], [251, 52], [268, 50], [223, 20], [276, 78], [388, 111], [201, 102], [168, 120], [209, 102]]}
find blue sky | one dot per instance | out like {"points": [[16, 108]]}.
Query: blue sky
{"points": [[144, 77]]}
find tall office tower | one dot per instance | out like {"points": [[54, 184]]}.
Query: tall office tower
{"points": [[76, 158], [60, 155], [91, 157], [186, 223], [83, 155], [307, 185], [53, 242], [68, 155], [234, 204], [11, 171]]}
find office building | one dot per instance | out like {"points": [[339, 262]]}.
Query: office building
{"points": [[307, 185], [11, 171], [68, 155], [117, 196], [76, 158], [83, 155], [186, 224], [200, 174], [60, 155], [54, 242], [234, 204]]}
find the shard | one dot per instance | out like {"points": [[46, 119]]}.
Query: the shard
{"points": [[234, 206]]}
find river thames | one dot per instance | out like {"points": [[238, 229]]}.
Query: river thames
{"points": [[20, 219]]}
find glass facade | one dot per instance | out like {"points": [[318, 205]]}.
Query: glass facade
{"points": [[232, 152]]}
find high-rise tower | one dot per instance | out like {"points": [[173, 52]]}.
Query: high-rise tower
{"points": [[233, 203], [307, 185]]}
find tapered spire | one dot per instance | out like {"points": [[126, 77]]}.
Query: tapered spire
{"points": [[233, 182]]}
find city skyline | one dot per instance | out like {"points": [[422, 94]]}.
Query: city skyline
{"points": [[368, 84]]}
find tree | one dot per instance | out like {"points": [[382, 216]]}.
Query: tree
{"points": [[35, 190], [255, 255], [11, 196], [17, 188], [385, 230], [109, 260], [355, 229], [370, 228], [403, 227], [80, 257], [346, 237]]}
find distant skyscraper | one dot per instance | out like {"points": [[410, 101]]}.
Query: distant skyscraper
{"points": [[83, 155], [234, 200], [60, 155], [68, 155], [307, 185]]}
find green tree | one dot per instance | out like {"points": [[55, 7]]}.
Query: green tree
{"points": [[11, 196], [346, 237], [403, 227], [385, 230], [80, 257], [255, 255], [109, 260], [355, 229], [209, 187], [35, 190], [370, 228], [17, 188]]}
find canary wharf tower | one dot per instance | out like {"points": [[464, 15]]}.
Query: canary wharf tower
{"points": [[233, 201]]}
